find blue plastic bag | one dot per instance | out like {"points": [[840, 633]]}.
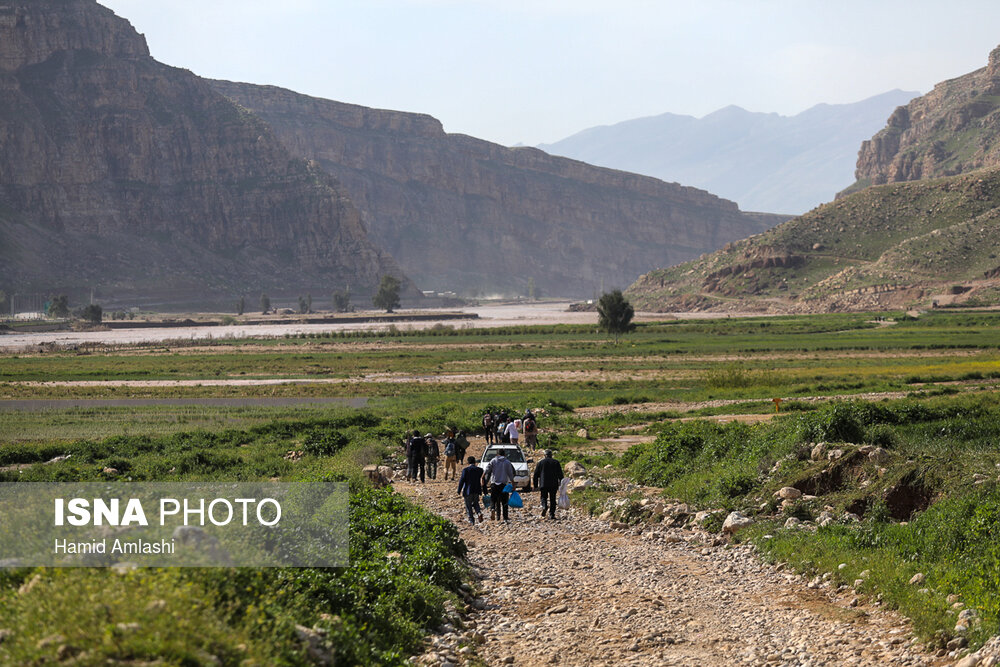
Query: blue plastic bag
{"points": [[515, 500], [508, 488]]}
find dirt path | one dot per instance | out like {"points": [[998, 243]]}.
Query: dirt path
{"points": [[576, 592]]}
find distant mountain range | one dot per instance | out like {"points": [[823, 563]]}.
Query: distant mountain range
{"points": [[762, 161], [926, 232]]}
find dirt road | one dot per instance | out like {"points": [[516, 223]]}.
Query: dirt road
{"points": [[576, 592]]}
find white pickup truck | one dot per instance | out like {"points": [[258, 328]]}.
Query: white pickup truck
{"points": [[514, 453]]}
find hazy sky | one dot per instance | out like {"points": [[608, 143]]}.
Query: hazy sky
{"points": [[536, 71]]}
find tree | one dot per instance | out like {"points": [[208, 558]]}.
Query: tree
{"points": [[342, 301], [92, 313], [265, 304], [59, 306], [3, 300], [614, 314], [388, 294], [531, 289], [241, 306], [303, 305]]}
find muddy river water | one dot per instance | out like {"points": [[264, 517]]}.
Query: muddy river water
{"points": [[492, 315]]}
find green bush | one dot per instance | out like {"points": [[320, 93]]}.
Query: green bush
{"points": [[324, 443]]}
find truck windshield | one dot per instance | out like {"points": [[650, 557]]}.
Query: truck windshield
{"points": [[513, 455]]}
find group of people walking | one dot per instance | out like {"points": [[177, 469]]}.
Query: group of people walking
{"points": [[496, 480], [499, 428], [498, 476], [423, 454]]}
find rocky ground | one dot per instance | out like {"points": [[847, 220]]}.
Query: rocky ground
{"points": [[582, 591]]}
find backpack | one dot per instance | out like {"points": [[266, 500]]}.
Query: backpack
{"points": [[449, 447], [529, 425]]}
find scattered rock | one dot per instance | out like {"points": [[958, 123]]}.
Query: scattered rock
{"points": [[789, 493], [880, 456], [818, 452], [918, 578], [574, 469], [582, 433], [835, 454], [734, 522]]}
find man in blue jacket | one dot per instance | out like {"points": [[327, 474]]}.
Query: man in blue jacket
{"points": [[470, 485]]}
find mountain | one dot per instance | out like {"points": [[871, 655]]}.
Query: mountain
{"points": [[474, 217], [885, 247], [952, 130], [763, 161], [139, 179]]}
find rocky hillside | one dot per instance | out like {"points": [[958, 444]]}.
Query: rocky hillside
{"points": [[891, 246], [121, 173], [952, 130], [467, 215], [763, 161]]}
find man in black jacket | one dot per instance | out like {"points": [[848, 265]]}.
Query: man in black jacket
{"points": [[548, 474], [417, 453]]}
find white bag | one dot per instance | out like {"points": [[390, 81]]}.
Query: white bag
{"points": [[563, 498]]}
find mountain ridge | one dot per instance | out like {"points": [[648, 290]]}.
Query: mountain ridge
{"points": [[122, 173], [763, 161], [467, 215], [920, 239]]}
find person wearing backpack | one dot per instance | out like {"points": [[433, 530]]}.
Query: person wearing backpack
{"points": [[433, 455], [417, 454], [470, 486], [461, 446], [450, 460], [548, 475], [488, 428], [530, 427]]}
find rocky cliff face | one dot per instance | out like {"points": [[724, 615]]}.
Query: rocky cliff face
{"points": [[467, 215], [119, 172], [953, 129]]}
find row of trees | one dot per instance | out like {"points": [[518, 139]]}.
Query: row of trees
{"points": [[387, 298]]}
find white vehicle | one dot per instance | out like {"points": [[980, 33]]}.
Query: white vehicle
{"points": [[522, 476]]}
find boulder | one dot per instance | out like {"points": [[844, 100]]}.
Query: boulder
{"points": [[880, 456], [574, 469], [701, 518], [789, 493], [578, 484], [834, 454], [734, 522], [379, 476], [818, 451], [582, 433]]}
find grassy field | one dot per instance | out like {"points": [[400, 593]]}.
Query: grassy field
{"points": [[927, 384]]}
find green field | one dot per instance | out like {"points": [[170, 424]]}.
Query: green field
{"points": [[929, 386]]}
